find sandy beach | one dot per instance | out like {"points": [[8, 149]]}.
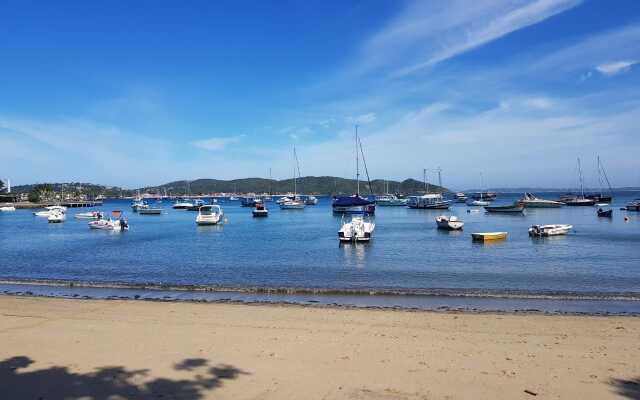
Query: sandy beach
{"points": [[108, 349]]}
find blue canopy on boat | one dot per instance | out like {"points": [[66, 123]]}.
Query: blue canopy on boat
{"points": [[343, 201]]}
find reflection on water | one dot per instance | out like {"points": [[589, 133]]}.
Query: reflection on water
{"points": [[355, 254]]}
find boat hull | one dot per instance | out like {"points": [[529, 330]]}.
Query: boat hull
{"points": [[488, 236], [549, 230], [260, 213], [150, 211]]}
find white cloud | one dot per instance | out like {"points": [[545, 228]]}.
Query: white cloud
{"points": [[427, 33], [616, 67], [217, 143], [363, 119]]}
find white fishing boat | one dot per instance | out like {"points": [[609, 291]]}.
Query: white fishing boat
{"points": [[294, 202], [7, 208], [529, 200], [137, 205], [47, 211], [451, 223], [549, 230], [358, 229], [57, 216], [210, 214], [116, 222], [90, 215]]}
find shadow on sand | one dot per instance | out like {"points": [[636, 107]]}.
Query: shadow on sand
{"points": [[627, 388], [113, 382]]}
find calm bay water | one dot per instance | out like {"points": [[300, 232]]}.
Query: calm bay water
{"points": [[299, 249]]}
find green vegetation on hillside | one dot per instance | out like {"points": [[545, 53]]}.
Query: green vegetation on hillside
{"points": [[308, 184]]}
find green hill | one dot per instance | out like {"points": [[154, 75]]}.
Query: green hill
{"points": [[307, 184]]}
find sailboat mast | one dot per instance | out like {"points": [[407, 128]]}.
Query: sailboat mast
{"points": [[580, 178], [357, 166], [295, 157]]}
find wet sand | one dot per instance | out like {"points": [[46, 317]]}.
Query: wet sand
{"points": [[60, 348]]}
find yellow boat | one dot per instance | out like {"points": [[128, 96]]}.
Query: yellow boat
{"points": [[488, 236]]}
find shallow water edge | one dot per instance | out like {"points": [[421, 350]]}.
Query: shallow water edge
{"points": [[444, 300]]}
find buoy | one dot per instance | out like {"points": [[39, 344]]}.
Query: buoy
{"points": [[626, 219]]}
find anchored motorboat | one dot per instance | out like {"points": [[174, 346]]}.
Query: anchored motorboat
{"points": [[515, 208], [529, 200], [47, 211], [210, 214], [182, 204], [7, 208], [260, 210], [549, 230], [451, 223], [633, 205], [195, 206], [359, 229], [116, 222], [56, 216], [90, 215]]}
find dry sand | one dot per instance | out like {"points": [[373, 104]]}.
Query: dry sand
{"points": [[106, 349]]}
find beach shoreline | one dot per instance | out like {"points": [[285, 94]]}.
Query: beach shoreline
{"points": [[222, 350]]}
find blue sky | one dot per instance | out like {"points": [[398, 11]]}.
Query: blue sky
{"points": [[144, 93]]}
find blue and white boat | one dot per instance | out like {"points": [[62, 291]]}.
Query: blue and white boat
{"points": [[249, 201]]}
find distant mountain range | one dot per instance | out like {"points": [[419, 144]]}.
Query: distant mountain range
{"points": [[306, 185]]}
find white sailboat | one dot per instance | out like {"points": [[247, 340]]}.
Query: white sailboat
{"points": [[358, 229], [294, 203]]}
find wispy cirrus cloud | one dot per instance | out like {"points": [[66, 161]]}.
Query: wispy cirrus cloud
{"points": [[427, 33], [616, 67], [217, 143]]}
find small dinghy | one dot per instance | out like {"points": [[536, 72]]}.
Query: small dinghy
{"points": [[549, 230], [451, 223], [210, 214], [57, 216], [605, 213], [90, 215], [260, 210], [358, 229], [7, 209], [117, 222], [488, 236]]}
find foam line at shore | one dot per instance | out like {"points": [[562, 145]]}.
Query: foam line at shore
{"points": [[431, 301]]}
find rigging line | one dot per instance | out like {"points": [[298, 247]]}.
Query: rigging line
{"points": [[364, 162]]}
